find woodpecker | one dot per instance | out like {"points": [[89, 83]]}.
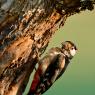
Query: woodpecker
{"points": [[51, 67]]}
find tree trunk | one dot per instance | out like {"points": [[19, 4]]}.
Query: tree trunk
{"points": [[26, 27]]}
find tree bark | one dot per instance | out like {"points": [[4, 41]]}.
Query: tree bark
{"points": [[26, 27]]}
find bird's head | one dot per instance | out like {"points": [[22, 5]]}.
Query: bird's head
{"points": [[69, 49]]}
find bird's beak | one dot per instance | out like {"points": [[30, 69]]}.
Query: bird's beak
{"points": [[76, 48]]}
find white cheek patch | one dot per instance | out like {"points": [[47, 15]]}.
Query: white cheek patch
{"points": [[73, 52]]}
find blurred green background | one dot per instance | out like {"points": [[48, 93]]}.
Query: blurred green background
{"points": [[79, 78]]}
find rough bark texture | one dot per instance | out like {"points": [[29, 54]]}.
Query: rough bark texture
{"points": [[26, 27]]}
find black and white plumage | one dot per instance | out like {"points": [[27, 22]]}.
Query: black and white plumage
{"points": [[51, 67]]}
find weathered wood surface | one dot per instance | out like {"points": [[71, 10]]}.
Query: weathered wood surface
{"points": [[26, 27]]}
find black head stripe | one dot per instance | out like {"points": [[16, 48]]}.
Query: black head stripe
{"points": [[63, 44], [71, 43]]}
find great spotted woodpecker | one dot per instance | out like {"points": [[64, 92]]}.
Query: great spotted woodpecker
{"points": [[51, 67]]}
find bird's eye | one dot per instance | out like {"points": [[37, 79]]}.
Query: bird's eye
{"points": [[72, 48]]}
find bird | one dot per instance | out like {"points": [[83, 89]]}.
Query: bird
{"points": [[51, 67]]}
